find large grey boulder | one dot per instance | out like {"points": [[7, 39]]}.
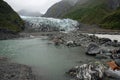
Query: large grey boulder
{"points": [[93, 49], [113, 74], [93, 71]]}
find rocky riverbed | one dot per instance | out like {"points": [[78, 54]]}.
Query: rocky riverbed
{"points": [[100, 48], [5, 36], [14, 71], [85, 39]]}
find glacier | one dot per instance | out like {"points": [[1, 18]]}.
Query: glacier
{"points": [[38, 22]]}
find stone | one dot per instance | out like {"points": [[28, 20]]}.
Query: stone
{"points": [[72, 44], [113, 74], [87, 72], [104, 40], [93, 49], [117, 61]]}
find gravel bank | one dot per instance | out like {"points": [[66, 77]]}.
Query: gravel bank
{"points": [[5, 36], [14, 71]]}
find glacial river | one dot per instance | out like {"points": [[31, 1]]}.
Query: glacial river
{"points": [[48, 62]]}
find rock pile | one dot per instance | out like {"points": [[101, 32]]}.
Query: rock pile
{"points": [[85, 39], [103, 49]]}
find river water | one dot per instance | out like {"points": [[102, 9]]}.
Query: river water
{"points": [[112, 37], [49, 62]]}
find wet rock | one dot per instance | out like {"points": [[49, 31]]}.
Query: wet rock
{"points": [[72, 44], [58, 40], [73, 71], [93, 49], [115, 56], [115, 44], [87, 72], [104, 40], [115, 75], [101, 56], [117, 61]]}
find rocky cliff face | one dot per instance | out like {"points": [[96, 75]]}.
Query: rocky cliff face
{"points": [[60, 8], [10, 22]]}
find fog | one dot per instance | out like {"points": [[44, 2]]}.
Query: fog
{"points": [[31, 5]]}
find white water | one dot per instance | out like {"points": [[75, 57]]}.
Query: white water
{"points": [[112, 37], [37, 22]]}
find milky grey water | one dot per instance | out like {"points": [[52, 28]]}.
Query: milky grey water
{"points": [[49, 62]]}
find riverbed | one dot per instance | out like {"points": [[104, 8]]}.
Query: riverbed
{"points": [[48, 62]]}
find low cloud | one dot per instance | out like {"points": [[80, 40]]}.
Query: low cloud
{"points": [[32, 5]]}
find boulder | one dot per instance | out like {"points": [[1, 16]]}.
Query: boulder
{"points": [[87, 72], [115, 56], [71, 44], [117, 61], [113, 74], [104, 40], [101, 56], [115, 44], [93, 49]]}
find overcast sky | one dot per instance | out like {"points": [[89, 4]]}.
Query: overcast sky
{"points": [[33, 5]]}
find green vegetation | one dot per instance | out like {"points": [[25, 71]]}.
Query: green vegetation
{"points": [[96, 12], [58, 9], [91, 12], [9, 19], [112, 20]]}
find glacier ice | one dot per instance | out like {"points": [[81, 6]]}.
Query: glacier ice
{"points": [[37, 22]]}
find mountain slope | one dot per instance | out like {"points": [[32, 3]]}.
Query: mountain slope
{"points": [[59, 9], [90, 12], [112, 20], [9, 19], [93, 11]]}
